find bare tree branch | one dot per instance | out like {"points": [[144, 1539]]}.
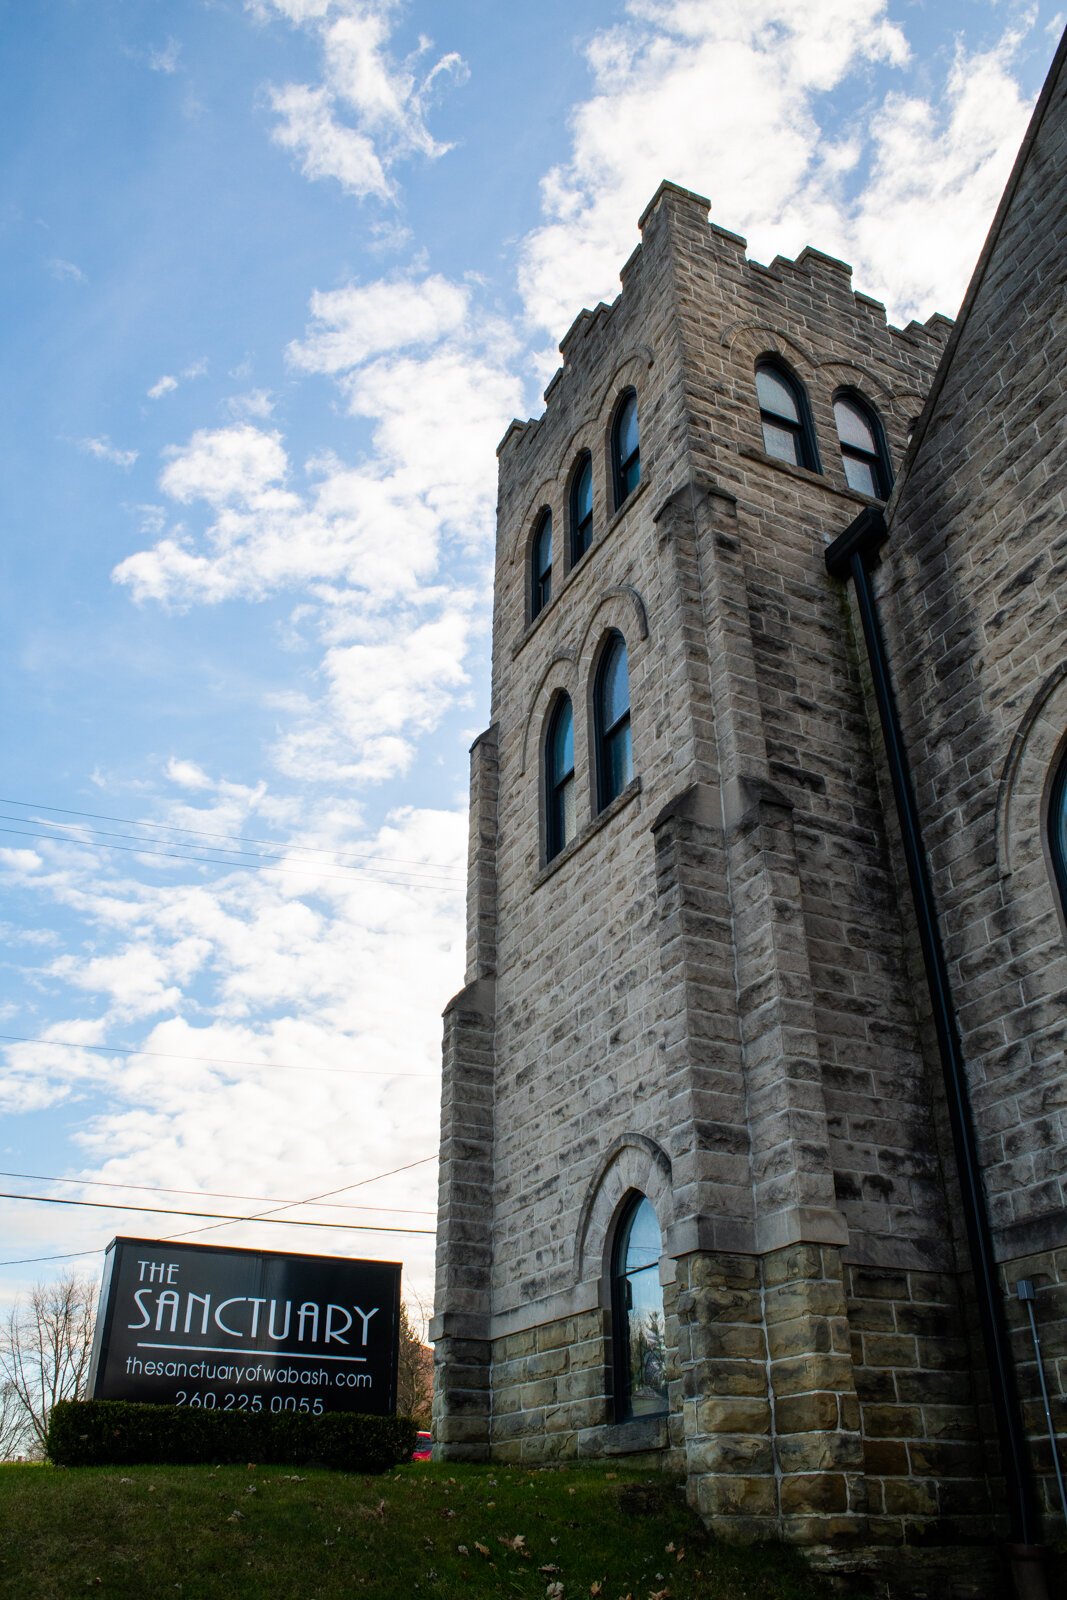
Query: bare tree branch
{"points": [[45, 1349]]}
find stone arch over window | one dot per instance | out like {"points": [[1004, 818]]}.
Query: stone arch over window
{"points": [[633, 1163], [558, 677]]}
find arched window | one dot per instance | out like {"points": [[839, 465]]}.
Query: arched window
{"points": [[541, 566], [862, 447], [611, 703], [783, 408], [559, 779], [626, 448], [637, 1314], [1057, 830], [582, 507]]}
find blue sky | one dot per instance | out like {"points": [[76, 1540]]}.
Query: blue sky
{"points": [[278, 274]]}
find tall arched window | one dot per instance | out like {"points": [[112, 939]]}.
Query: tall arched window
{"points": [[582, 507], [626, 448], [541, 566], [560, 810], [783, 407], [1057, 830], [863, 448], [611, 702], [637, 1315]]}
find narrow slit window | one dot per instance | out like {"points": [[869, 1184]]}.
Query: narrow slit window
{"points": [[626, 449], [560, 793], [582, 509], [863, 449], [784, 416], [541, 566], [638, 1323], [612, 714]]}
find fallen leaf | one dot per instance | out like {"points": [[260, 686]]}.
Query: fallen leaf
{"points": [[447, 1511], [610, 1475], [513, 1544], [554, 1591], [596, 1586], [462, 1548], [681, 1554], [482, 1549], [550, 1567], [669, 1548], [659, 1594], [236, 1516]]}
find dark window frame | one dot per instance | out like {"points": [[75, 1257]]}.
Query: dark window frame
{"points": [[625, 469], [607, 734], [581, 528], [540, 572], [556, 782], [621, 1366], [1057, 808], [878, 458], [802, 429]]}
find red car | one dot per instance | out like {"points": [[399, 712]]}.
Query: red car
{"points": [[423, 1447]]}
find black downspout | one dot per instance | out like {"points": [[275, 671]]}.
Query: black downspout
{"points": [[853, 555]]}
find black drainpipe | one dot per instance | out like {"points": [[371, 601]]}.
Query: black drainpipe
{"points": [[853, 555]]}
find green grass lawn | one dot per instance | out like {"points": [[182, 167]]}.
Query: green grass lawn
{"points": [[433, 1531]]}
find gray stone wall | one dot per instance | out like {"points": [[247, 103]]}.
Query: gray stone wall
{"points": [[975, 601], [706, 997]]}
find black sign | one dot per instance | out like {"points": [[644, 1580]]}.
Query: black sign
{"points": [[246, 1330]]}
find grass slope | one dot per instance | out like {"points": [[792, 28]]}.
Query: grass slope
{"points": [[432, 1531]]}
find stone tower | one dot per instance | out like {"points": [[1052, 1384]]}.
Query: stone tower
{"points": [[696, 1193]]}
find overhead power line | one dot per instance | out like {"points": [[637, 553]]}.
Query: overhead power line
{"points": [[237, 838], [165, 1211], [411, 882], [214, 1194], [213, 1061], [360, 1183]]}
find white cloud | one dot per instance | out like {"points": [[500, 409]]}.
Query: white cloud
{"points": [[354, 323], [65, 271], [256, 403], [165, 60], [104, 450], [187, 774], [225, 464], [164, 385], [370, 110], [727, 99]]}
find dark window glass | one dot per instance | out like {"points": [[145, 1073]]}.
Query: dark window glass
{"points": [[637, 1300], [862, 448], [541, 566], [783, 409], [1057, 830], [626, 449], [559, 779], [615, 765], [582, 509]]}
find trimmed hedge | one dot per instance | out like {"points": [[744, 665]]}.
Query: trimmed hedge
{"points": [[122, 1433]]}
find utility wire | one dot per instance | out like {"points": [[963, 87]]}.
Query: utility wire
{"points": [[206, 833], [326, 1195], [164, 1211], [65, 834], [361, 1183], [213, 1194], [213, 1061], [233, 866]]}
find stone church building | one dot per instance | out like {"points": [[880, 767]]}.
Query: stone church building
{"points": [[755, 1103]]}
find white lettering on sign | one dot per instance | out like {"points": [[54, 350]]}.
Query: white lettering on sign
{"points": [[242, 1316]]}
